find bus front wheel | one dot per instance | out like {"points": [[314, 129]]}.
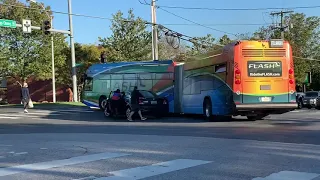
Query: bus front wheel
{"points": [[207, 109]]}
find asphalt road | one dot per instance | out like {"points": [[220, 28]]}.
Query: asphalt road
{"points": [[80, 143]]}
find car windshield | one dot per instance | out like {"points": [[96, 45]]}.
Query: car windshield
{"points": [[311, 94], [147, 94]]}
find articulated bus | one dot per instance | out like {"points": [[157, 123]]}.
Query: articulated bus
{"points": [[248, 78]]}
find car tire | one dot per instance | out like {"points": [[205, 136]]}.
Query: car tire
{"points": [[102, 102]]}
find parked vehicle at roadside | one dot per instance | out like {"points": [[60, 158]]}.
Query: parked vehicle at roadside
{"points": [[299, 99], [312, 99]]}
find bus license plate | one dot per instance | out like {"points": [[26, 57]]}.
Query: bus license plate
{"points": [[153, 102], [265, 99]]}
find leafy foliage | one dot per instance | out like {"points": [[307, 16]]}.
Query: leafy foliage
{"points": [[304, 39], [129, 40], [25, 55]]}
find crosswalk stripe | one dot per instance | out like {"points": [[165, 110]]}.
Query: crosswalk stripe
{"points": [[8, 117], [153, 170], [289, 175], [58, 163]]}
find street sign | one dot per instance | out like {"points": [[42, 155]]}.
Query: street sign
{"points": [[26, 26], [8, 23]]}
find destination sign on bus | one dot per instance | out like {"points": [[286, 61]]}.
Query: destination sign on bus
{"points": [[264, 68]]}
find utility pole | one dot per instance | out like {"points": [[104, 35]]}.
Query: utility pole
{"points": [[154, 31], [53, 68], [73, 56], [282, 27]]}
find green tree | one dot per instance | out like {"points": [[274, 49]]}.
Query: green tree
{"points": [[303, 37], [130, 41], [167, 52], [224, 40], [201, 45], [27, 55], [86, 55]]}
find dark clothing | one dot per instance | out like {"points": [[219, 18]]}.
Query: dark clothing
{"points": [[25, 103], [135, 101], [25, 93], [135, 97], [25, 97], [135, 107]]}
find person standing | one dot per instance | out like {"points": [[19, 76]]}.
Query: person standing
{"points": [[135, 105], [25, 96]]}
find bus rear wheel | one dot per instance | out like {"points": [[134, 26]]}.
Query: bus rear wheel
{"points": [[207, 109]]}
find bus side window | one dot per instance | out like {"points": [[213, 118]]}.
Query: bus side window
{"points": [[195, 87], [186, 86]]}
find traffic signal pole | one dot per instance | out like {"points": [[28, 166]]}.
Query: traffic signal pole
{"points": [[53, 68]]}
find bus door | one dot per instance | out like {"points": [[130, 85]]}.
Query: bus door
{"points": [[264, 82]]}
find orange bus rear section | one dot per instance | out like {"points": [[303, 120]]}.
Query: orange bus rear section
{"points": [[262, 78]]}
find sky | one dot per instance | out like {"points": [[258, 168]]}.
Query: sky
{"points": [[87, 30]]}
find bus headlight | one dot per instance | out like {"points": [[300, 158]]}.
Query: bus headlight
{"points": [[238, 92], [291, 92]]}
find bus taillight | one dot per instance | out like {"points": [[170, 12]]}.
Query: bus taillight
{"points": [[237, 76], [291, 76]]}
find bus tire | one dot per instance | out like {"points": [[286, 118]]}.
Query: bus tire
{"points": [[207, 108], [102, 102]]}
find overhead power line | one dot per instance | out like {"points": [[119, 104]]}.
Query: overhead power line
{"points": [[237, 9], [239, 24], [56, 12], [310, 59], [197, 23]]}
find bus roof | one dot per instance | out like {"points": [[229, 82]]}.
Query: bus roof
{"points": [[99, 68]]}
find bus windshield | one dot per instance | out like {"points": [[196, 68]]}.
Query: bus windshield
{"points": [[264, 68]]}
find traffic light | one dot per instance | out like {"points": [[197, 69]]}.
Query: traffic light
{"points": [[46, 27]]}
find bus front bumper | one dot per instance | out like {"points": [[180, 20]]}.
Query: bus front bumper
{"points": [[266, 106]]}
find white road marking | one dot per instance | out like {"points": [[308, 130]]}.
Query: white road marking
{"points": [[43, 148], [289, 175], [20, 153], [8, 117], [153, 170], [58, 163], [1, 157], [16, 116], [5, 145], [87, 178], [11, 152]]}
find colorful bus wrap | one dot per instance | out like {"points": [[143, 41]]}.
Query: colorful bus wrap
{"points": [[248, 78], [101, 79]]}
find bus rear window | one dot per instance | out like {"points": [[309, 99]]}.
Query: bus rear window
{"points": [[264, 68]]}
